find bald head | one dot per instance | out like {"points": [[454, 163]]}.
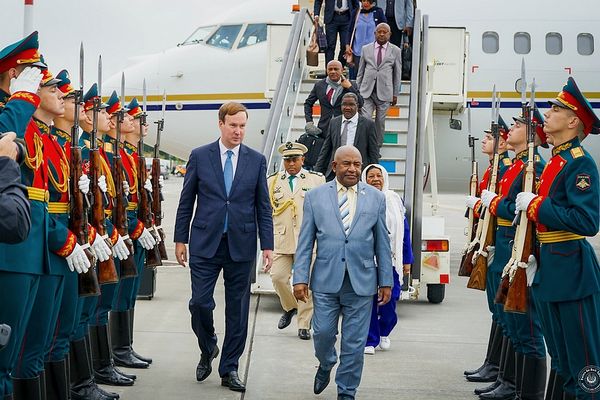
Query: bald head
{"points": [[347, 164], [383, 32], [334, 70]]}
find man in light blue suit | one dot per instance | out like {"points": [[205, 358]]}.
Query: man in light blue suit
{"points": [[346, 220]]}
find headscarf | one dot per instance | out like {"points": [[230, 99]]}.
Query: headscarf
{"points": [[394, 216]]}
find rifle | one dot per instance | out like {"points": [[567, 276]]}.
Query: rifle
{"points": [[157, 196], [466, 264], [144, 211], [477, 279], [524, 242], [79, 205], [107, 271], [128, 266]]}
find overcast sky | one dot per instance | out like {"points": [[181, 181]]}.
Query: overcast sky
{"points": [[117, 29]]}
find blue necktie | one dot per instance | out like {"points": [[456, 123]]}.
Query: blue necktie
{"points": [[228, 177]]}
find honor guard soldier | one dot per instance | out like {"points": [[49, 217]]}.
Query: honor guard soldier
{"points": [[488, 371], [566, 210], [523, 340], [286, 192], [104, 367], [23, 263], [121, 316], [83, 381]]}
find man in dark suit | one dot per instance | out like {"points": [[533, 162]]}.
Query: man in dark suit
{"points": [[353, 129], [228, 180], [329, 93], [338, 14]]}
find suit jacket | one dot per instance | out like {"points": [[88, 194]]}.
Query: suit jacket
{"points": [[367, 240], [287, 218], [404, 13], [365, 141], [328, 111], [330, 8], [248, 204], [385, 78]]}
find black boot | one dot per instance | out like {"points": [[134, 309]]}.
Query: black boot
{"points": [[569, 396], [501, 360], [43, 384], [27, 389], [8, 397], [131, 320], [104, 368], [83, 385], [558, 389], [117, 370], [488, 388], [120, 337], [534, 378], [489, 372], [57, 382], [506, 390], [519, 365], [488, 352]]}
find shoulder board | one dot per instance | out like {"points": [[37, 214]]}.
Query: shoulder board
{"points": [[507, 161], [577, 152], [273, 174], [315, 173]]}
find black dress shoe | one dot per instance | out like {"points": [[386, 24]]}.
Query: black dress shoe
{"points": [[487, 374], [504, 391], [126, 375], [233, 382], [322, 378], [124, 357], [304, 334], [204, 367], [286, 318], [487, 388], [108, 376]]}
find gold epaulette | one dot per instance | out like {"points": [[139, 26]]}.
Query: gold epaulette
{"points": [[507, 162], [577, 152], [557, 236]]}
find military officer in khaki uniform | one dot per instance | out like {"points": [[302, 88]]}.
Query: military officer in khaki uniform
{"points": [[286, 191]]}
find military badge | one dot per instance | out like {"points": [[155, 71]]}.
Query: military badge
{"points": [[583, 182], [289, 145], [302, 176]]}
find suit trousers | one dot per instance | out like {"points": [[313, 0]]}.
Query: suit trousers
{"points": [[17, 293], [356, 314], [236, 275], [337, 26], [40, 327], [373, 104], [575, 329], [281, 272]]}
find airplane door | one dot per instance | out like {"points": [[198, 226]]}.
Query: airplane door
{"points": [[277, 39]]}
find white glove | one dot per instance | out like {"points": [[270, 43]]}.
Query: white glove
{"points": [[101, 249], [102, 183], [470, 201], [487, 197], [146, 240], [77, 260], [120, 249], [531, 269], [27, 81], [523, 200], [84, 184], [126, 188], [148, 185], [161, 181], [491, 250]]}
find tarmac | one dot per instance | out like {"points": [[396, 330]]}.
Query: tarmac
{"points": [[430, 347]]}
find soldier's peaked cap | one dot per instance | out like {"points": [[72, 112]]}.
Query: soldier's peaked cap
{"points": [[539, 127], [23, 52], [134, 108], [89, 96], [114, 104], [292, 149], [571, 98]]}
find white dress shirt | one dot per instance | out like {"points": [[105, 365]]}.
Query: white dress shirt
{"points": [[344, 6], [353, 124], [383, 50], [234, 157]]}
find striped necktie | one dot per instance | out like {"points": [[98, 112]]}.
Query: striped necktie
{"points": [[344, 205]]}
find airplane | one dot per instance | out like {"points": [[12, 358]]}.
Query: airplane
{"points": [[237, 56]]}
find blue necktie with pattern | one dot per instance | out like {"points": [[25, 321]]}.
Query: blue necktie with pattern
{"points": [[228, 177]]}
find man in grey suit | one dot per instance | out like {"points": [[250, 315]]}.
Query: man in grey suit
{"points": [[350, 128], [345, 218], [379, 76]]}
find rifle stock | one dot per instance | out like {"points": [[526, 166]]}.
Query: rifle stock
{"points": [[157, 207], [478, 276], [466, 265], [153, 258]]}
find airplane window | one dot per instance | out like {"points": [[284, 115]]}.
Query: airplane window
{"points": [[255, 33], [522, 43], [225, 36], [553, 43], [490, 42], [199, 35], [585, 44]]}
